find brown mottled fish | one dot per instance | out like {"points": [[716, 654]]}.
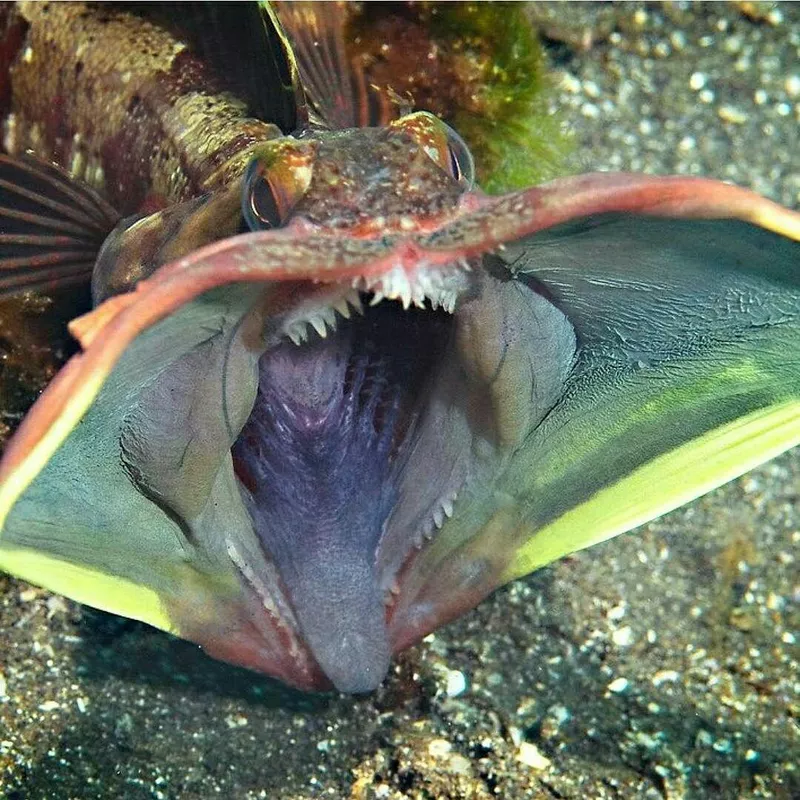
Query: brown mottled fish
{"points": [[331, 395]]}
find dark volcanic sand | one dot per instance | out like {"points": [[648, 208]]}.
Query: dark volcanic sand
{"points": [[662, 664]]}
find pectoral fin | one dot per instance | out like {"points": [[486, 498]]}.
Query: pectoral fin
{"points": [[51, 226]]}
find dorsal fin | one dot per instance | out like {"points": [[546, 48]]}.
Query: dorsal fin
{"points": [[336, 85], [51, 226]]}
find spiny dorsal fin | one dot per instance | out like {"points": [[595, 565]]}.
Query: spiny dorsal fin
{"points": [[51, 226], [336, 84]]}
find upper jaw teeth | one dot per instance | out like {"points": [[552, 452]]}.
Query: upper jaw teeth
{"points": [[441, 287]]}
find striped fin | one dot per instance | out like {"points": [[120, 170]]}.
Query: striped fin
{"points": [[51, 226], [335, 83]]}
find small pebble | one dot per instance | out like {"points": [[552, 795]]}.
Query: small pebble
{"points": [[591, 89], [439, 748], [530, 755], [617, 612], [618, 685], [732, 114], [664, 676], [590, 110], [697, 81], [623, 637], [459, 765], [678, 39], [456, 683]]}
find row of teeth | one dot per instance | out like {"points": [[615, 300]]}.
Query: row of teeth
{"points": [[440, 287], [441, 513], [322, 318]]}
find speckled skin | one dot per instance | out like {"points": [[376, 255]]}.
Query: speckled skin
{"points": [[369, 181], [120, 102], [168, 132]]}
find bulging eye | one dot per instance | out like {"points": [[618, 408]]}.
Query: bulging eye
{"points": [[274, 182], [462, 165], [261, 204]]}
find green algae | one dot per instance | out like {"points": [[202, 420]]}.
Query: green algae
{"points": [[479, 66]]}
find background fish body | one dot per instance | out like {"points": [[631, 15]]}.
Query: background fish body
{"points": [[123, 103]]}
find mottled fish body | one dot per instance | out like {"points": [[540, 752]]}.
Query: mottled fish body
{"points": [[123, 103]]}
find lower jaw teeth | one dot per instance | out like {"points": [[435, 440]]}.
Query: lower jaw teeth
{"points": [[323, 317]]}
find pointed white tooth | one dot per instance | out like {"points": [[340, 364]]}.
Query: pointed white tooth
{"points": [[319, 326], [297, 333], [402, 288], [438, 517], [376, 298], [357, 305], [329, 317], [447, 507], [342, 307], [425, 533]]}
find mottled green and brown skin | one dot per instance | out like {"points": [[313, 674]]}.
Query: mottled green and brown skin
{"points": [[120, 102]]}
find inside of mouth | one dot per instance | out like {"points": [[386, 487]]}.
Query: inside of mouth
{"points": [[321, 462]]}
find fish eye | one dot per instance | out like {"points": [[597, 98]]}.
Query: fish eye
{"points": [[462, 165], [261, 206]]}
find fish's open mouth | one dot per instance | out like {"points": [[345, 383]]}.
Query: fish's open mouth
{"points": [[372, 420], [334, 462], [319, 449]]}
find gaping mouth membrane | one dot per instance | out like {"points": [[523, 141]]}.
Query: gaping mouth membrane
{"points": [[347, 461]]}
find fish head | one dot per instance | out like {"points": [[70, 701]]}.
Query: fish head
{"points": [[385, 399], [366, 182]]}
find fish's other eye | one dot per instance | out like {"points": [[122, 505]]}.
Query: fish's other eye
{"points": [[462, 165], [442, 145], [261, 203], [275, 181]]}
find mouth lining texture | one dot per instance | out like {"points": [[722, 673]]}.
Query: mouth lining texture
{"points": [[321, 462]]}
